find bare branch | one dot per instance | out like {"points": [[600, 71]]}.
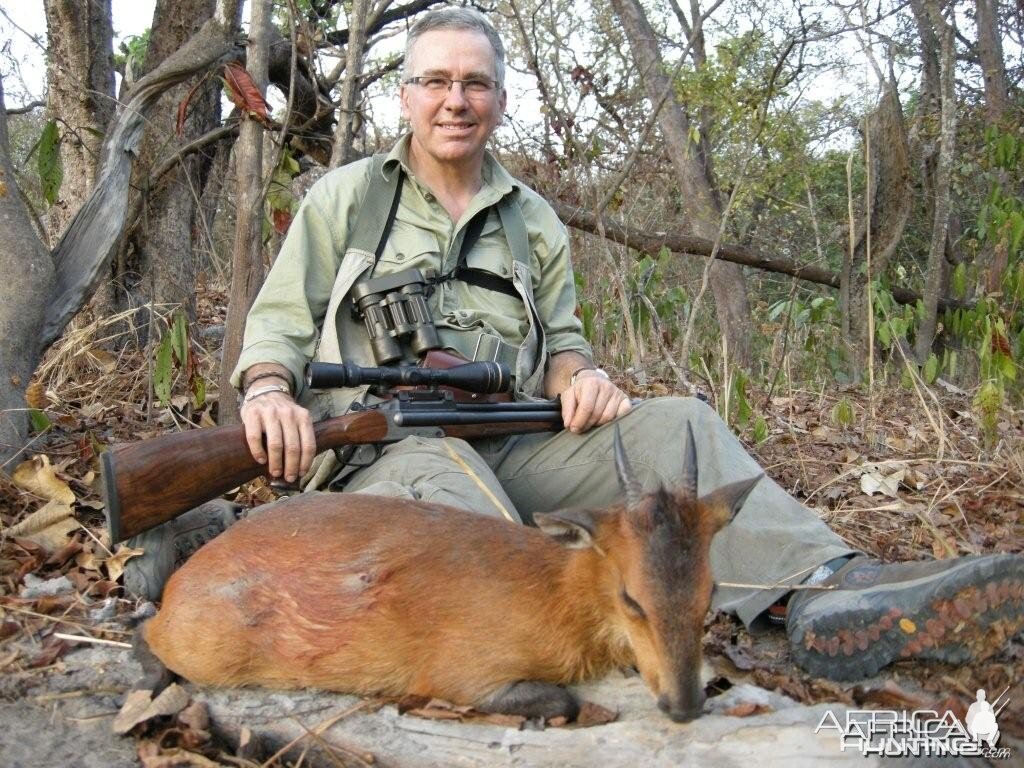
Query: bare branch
{"points": [[649, 241], [340, 36], [26, 108]]}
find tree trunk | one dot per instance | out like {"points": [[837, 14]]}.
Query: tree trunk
{"points": [[890, 199], [990, 50], [924, 133], [928, 100], [943, 175], [210, 203], [44, 291], [82, 257], [247, 257], [703, 211], [28, 280], [80, 79], [160, 262], [349, 118]]}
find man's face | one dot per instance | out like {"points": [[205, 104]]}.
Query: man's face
{"points": [[452, 126]]}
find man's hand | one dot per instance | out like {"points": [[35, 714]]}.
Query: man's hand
{"points": [[592, 401], [288, 427]]}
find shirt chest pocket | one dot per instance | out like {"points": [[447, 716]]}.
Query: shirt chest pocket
{"points": [[408, 250], [492, 258], [486, 285]]}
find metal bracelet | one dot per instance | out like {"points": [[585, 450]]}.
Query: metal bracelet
{"points": [[254, 393], [287, 377]]}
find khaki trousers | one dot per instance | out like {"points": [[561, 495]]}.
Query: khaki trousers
{"points": [[773, 540]]}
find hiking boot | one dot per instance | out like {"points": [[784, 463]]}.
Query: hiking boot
{"points": [[950, 610], [169, 545]]}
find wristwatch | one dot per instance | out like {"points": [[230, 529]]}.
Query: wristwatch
{"points": [[599, 371]]}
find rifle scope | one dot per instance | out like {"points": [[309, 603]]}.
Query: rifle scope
{"points": [[484, 377]]}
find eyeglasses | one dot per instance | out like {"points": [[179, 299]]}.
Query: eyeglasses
{"points": [[437, 85]]}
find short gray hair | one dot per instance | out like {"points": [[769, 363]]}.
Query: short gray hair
{"points": [[458, 18]]}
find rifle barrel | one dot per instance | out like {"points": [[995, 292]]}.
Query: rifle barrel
{"points": [[460, 417]]}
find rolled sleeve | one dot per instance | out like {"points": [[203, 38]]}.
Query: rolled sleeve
{"points": [[555, 296], [283, 324]]}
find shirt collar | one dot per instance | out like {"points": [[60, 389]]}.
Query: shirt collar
{"points": [[494, 175]]}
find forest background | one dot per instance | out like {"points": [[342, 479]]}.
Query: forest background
{"points": [[810, 213]]}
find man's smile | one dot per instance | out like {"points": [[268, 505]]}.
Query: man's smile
{"points": [[456, 126]]}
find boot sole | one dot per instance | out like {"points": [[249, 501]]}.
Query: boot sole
{"points": [[969, 613]]}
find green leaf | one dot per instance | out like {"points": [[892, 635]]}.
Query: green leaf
{"points": [[198, 391], [48, 162], [777, 309], [39, 420], [1016, 230], [179, 338], [843, 414], [760, 430], [884, 336], [163, 371], [958, 282], [906, 380], [931, 369], [289, 164], [742, 410], [1006, 367]]}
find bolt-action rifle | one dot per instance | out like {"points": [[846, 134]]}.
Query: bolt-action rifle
{"points": [[153, 481]]}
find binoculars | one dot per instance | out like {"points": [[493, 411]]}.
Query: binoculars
{"points": [[394, 309]]}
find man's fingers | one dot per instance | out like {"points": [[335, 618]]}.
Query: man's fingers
{"points": [[292, 448], [586, 400], [254, 434], [599, 403], [604, 395], [568, 398], [308, 443], [611, 408], [275, 446]]}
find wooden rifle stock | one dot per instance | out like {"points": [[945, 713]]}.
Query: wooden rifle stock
{"points": [[153, 481]]}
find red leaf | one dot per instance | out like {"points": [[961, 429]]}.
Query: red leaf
{"points": [[244, 94], [183, 108], [1001, 344], [179, 125], [52, 649], [595, 714], [282, 220], [9, 628]]}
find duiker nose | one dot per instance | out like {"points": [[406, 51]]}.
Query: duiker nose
{"points": [[681, 712]]}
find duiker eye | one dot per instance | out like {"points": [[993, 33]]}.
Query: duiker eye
{"points": [[633, 606]]}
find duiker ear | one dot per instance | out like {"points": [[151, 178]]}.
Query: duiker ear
{"points": [[572, 528], [723, 504]]}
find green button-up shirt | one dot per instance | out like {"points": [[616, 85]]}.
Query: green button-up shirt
{"points": [[284, 323]]}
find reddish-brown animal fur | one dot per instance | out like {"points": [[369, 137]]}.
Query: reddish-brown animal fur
{"points": [[372, 595]]}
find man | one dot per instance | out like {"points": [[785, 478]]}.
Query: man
{"points": [[446, 186]]}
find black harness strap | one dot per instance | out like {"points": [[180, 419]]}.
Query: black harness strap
{"points": [[477, 277], [390, 222]]}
